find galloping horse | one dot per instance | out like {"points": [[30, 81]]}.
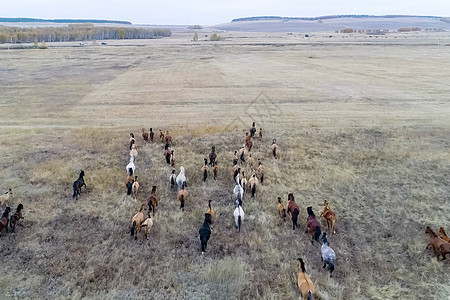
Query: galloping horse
{"points": [[212, 156], [152, 201], [304, 282], [330, 216], [135, 187], [172, 179], [148, 224], [181, 178], [281, 209], [211, 211], [16, 217], [327, 254], [294, 210], [5, 219], [440, 247], [205, 232], [182, 195], [313, 225], [136, 222], [238, 215], [4, 198], [205, 170], [77, 185]]}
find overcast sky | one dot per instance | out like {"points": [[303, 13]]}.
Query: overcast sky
{"points": [[213, 11]]}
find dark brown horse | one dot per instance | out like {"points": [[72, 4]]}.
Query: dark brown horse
{"points": [[152, 201], [16, 217], [5, 219]]}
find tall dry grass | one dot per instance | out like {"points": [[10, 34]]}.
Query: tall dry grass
{"points": [[384, 184]]}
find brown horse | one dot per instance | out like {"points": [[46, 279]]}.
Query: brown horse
{"points": [[211, 211], [330, 216], [16, 217], [5, 219], [304, 283], [440, 247], [182, 195], [136, 222], [443, 235], [152, 201], [144, 135], [281, 209]]}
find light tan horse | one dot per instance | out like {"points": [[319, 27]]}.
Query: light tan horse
{"points": [[136, 222], [330, 216], [443, 235], [4, 198], [135, 187], [148, 224], [304, 282]]}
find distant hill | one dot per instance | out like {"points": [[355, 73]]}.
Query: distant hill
{"points": [[333, 23], [33, 20]]}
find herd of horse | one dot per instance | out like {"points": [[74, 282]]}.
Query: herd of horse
{"points": [[440, 244]]}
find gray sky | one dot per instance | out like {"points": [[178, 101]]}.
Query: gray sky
{"points": [[213, 11]]}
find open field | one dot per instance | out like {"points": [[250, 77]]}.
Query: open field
{"points": [[364, 125]]}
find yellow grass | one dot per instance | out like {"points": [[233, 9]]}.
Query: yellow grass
{"points": [[362, 125]]}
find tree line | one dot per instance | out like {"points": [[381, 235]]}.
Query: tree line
{"points": [[34, 20], [77, 32]]}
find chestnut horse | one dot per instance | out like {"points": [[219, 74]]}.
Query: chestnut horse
{"points": [[440, 247], [330, 216], [304, 282]]}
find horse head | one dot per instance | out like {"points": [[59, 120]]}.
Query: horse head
{"points": [[324, 239], [429, 231], [19, 207], [82, 173]]}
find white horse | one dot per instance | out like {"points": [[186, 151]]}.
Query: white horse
{"points": [[238, 191], [131, 164], [181, 178], [238, 216], [328, 255]]}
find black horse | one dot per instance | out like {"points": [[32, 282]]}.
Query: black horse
{"points": [[205, 232], [77, 185], [212, 156]]}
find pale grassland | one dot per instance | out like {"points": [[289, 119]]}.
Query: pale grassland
{"points": [[365, 127]]}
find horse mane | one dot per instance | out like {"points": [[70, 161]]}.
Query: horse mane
{"points": [[19, 207], [302, 265], [310, 212], [430, 231]]}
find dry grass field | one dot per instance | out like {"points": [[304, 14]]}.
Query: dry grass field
{"points": [[364, 125]]}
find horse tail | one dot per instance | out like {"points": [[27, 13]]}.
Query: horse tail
{"points": [[205, 174], [262, 178], [274, 152], [294, 218], [182, 202], [75, 192], [253, 190], [309, 295], [172, 182], [239, 223], [133, 227], [284, 214], [317, 233]]}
